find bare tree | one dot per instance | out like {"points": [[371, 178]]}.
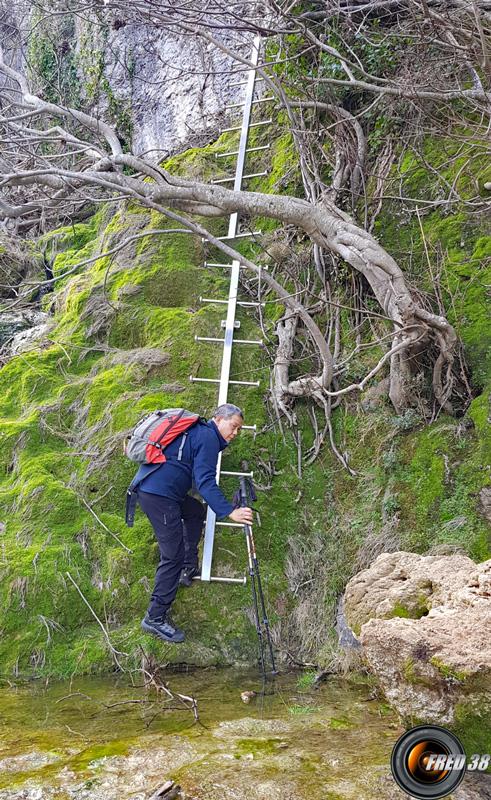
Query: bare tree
{"points": [[56, 159]]}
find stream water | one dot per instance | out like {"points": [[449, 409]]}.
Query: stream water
{"points": [[104, 739]]}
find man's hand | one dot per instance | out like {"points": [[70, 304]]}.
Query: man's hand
{"points": [[243, 515]]}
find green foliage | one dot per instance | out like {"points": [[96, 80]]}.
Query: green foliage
{"points": [[447, 671], [65, 409], [473, 727], [303, 709], [306, 680], [51, 59]]}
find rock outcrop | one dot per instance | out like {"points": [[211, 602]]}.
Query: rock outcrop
{"points": [[423, 623], [162, 89], [19, 330]]}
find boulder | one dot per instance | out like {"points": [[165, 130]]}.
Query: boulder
{"points": [[423, 623], [404, 585]]}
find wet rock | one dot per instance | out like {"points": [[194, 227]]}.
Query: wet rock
{"points": [[425, 633], [21, 329], [474, 787], [248, 726], [346, 637], [27, 761], [246, 697], [376, 395]]}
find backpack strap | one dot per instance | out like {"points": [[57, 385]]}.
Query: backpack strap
{"points": [[181, 446], [169, 427], [132, 496]]}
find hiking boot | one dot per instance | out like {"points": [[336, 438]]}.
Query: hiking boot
{"points": [[188, 574], [163, 628]]}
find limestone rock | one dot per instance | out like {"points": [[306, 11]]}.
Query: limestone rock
{"points": [[177, 86], [427, 667], [425, 625], [404, 585]]}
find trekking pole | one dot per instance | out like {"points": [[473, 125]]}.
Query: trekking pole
{"points": [[246, 496]]}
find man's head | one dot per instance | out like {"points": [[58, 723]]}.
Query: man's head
{"points": [[229, 420]]}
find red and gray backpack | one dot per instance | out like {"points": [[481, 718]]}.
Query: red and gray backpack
{"points": [[148, 441], [154, 432]]}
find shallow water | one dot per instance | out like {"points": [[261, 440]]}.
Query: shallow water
{"points": [[71, 740]]}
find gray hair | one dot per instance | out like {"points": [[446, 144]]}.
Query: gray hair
{"points": [[227, 410]]}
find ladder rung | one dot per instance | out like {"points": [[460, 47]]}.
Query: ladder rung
{"points": [[235, 341], [220, 579], [238, 236], [210, 300], [225, 302], [217, 380], [252, 125], [244, 177], [249, 427], [257, 100], [228, 266], [230, 524], [244, 83], [248, 150], [238, 474]]}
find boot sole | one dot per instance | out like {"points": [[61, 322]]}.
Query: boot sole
{"points": [[175, 639]]}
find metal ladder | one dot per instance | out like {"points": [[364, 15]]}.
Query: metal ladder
{"points": [[230, 323]]}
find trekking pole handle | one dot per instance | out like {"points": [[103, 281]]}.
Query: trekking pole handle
{"points": [[243, 492]]}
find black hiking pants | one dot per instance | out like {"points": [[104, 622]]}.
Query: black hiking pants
{"points": [[178, 527]]}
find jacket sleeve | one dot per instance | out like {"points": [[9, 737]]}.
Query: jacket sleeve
{"points": [[205, 458]]}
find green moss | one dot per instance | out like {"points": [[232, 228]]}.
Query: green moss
{"points": [[408, 671], [51, 58], [340, 724], [65, 409], [258, 747], [447, 671], [473, 727], [400, 611]]}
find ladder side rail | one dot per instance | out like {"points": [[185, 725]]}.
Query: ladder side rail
{"points": [[232, 302]]}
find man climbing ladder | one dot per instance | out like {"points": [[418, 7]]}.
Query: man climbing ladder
{"points": [[177, 518]]}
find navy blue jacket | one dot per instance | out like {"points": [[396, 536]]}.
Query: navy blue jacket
{"points": [[173, 478]]}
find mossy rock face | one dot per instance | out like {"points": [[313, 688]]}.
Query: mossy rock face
{"points": [[122, 345]]}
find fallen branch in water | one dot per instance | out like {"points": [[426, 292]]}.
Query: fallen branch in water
{"points": [[189, 703], [168, 791]]}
